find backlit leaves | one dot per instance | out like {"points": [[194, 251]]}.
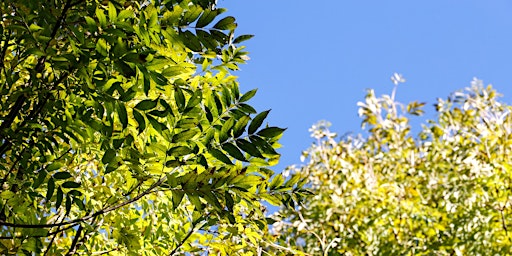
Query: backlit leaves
{"points": [[118, 116]]}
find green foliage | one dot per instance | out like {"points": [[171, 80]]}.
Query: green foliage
{"points": [[443, 192], [123, 133]]}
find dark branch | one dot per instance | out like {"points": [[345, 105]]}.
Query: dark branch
{"points": [[90, 216]]}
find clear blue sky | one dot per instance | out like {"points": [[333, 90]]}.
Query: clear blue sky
{"points": [[313, 60]]}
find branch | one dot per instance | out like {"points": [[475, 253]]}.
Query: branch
{"points": [[90, 216], [38, 68], [72, 249], [190, 232]]}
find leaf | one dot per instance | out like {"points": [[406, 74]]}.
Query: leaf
{"points": [[68, 204], [261, 144], [234, 151], [248, 95], [248, 147], [227, 23], [70, 184], [177, 196], [271, 132], [108, 156], [40, 179], [62, 175], [195, 99], [34, 27], [191, 41], [257, 121], [60, 196], [91, 23], [220, 156], [179, 151], [242, 38], [184, 135], [159, 78], [101, 17], [112, 12], [123, 115], [180, 98], [140, 120], [50, 189], [246, 108], [271, 199], [224, 131], [240, 125], [248, 181], [54, 166], [146, 105], [207, 17], [126, 13], [276, 182]]}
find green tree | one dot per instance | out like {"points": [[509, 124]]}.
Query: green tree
{"points": [[446, 191], [123, 132]]}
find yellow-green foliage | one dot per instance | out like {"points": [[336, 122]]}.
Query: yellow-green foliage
{"points": [[446, 191]]}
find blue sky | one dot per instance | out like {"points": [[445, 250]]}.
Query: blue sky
{"points": [[313, 60]]}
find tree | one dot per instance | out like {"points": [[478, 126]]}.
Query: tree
{"points": [[445, 191], [123, 132]]}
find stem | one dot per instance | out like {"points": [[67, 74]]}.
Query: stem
{"points": [[90, 216]]}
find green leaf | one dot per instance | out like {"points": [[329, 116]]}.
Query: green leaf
{"points": [[271, 199], [246, 108], [248, 95], [180, 98], [242, 38], [108, 156], [276, 182], [126, 13], [187, 123], [248, 147], [177, 197], [112, 12], [179, 151], [62, 175], [40, 178], [207, 17], [101, 17], [34, 27], [224, 131], [195, 99], [261, 144], [159, 78], [248, 181], [146, 105], [91, 23], [227, 23], [101, 47], [60, 196], [240, 125], [50, 189], [54, 166], [220, 156], [234, 151], [271, 132], [140, 120], [184, 135], [123, 115], [257, 121], [70, 184], [68, 204]]}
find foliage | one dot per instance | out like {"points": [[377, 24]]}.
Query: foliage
{"points": [[443, 192], [123, 132]]}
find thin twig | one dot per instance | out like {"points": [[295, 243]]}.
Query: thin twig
{"points": [[90, 216]]}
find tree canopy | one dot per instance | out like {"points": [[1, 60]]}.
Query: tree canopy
{"points": [[123, 132], [445, 191]]}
